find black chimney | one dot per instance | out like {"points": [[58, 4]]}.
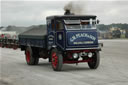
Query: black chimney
{"points": [[68, 12]]}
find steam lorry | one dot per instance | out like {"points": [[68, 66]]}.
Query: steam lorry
{"points": [[68, 39]]}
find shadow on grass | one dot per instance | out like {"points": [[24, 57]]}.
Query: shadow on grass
{"points": [[65, 68]]}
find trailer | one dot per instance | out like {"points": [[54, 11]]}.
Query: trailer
{"points": [[65, 39]]}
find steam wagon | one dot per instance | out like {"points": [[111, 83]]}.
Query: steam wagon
{"points": [[65, 39]]}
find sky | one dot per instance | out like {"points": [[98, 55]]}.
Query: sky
{"points": [[34, 12]]}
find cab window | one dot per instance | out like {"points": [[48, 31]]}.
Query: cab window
{"points": [[59, 25], [52, 25]]}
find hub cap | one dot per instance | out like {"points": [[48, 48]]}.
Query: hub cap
{"points": [[54, 60], [28, 56]]}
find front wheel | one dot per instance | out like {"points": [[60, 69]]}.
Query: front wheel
{"points": [[56, 60], [95, 61]]}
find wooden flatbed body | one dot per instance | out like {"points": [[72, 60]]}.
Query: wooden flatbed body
{"points": [[35, 37]]}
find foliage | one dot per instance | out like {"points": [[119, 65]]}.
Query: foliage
{"points": [[103, 27]]}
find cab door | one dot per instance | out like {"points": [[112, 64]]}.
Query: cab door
{"points": [[60, 38]]}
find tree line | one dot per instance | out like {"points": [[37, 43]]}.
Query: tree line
{"points": [[103, 27]]}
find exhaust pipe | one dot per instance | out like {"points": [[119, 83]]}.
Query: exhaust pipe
{"points": [[68, 12]]}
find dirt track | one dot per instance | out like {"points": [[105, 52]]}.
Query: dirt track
{"points": [[113, 69]]}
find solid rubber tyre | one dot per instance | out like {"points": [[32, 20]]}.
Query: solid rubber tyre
{"points": [[31, 57], [95, 61], [56, 60]]}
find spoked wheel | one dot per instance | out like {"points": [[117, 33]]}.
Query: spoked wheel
{"points": [[28, 56], [57, 60], [95, 61], [31, 58]]}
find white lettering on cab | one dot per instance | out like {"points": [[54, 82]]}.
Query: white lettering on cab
{"points": [[80, 35]]}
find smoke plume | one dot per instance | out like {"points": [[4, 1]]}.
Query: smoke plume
{"points": [[76, 7]]}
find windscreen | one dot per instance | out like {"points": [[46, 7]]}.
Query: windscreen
{"points": [[80, 24]]}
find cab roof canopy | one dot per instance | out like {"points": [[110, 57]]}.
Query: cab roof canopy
{"points": [[84, 17]]}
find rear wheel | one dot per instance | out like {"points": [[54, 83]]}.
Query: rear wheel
{"points": [[31, 57], [56, 60], [95, 61]]}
